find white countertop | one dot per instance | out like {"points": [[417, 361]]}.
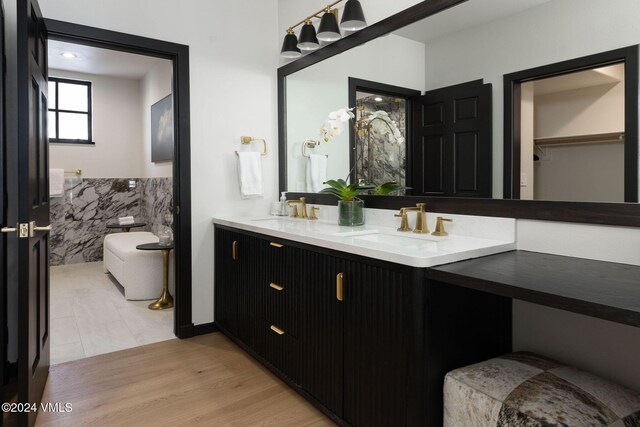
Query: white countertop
{"points": [[373, 241]]}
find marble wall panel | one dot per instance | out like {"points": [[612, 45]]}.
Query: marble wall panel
{"points": [[79, 218]]}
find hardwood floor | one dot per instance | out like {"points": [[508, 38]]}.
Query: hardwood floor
{"points": [[206, 380]]}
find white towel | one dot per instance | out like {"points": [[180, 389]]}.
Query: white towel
{"points": [[126, 220], [56, 182], [250, 174], [316, 172]]}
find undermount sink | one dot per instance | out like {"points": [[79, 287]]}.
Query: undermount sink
{"points": [[411, 243], [353, 233]]}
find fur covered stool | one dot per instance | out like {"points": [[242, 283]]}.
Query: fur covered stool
{"points": [[523, 389]]}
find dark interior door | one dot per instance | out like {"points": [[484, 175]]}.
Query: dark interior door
{"points": [[32, 201], [452, 148]]}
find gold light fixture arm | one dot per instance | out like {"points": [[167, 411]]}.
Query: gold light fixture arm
{"points": [[327, 8]]}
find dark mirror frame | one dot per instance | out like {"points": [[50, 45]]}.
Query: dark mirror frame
{"points": [[622, 214]]}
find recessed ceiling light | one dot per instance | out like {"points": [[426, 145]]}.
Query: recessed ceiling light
{"points": [[377, 99], [69, 55]]}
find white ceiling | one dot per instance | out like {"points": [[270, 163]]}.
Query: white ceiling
{"points": [[611, 74], [466, 15], [105, 62]]}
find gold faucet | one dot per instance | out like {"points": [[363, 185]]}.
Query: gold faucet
{"points": [[440, 227], [421, 219], [303, 208], [404, 222], [312, 212]]}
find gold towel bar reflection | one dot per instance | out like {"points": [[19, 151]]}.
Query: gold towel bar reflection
{"points": [[309, 143], [249, 139], [76, 171]]}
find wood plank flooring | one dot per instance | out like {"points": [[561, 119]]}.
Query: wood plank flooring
{"points": [[202, 381]]}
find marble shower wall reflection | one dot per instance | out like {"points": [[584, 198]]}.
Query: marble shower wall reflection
{"points": [[379, 157], [79, 218]]}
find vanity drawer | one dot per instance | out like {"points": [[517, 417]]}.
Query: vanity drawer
{"points": [[280, 262], [279, 348], [281, 306]]}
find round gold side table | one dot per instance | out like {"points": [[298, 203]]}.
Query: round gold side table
{"points": [[165, 300]]}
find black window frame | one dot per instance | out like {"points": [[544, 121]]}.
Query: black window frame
{"points": [[56, 110]]}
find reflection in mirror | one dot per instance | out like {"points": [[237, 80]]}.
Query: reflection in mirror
{"points": [[479, 40], [314, 92], [572, 136], [380, 133]]}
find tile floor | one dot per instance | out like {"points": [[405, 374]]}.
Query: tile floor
{"points": [[89, 315]]}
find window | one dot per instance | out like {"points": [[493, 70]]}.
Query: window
{"points": [[70, 111]]}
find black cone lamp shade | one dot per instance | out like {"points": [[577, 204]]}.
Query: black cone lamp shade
{"points": [[290, 46], [328, 31], [353, 16], [308, 39]]}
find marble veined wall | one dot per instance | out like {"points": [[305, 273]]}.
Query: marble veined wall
{"points": [[79, 218], [380, 157]]}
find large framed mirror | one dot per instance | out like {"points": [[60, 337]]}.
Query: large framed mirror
{"points": [[569, 66]]}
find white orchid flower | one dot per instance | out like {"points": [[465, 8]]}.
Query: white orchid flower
{"points": [[342, 115]]}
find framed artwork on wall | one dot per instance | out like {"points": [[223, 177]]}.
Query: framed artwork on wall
{"points": [[162, 130]]}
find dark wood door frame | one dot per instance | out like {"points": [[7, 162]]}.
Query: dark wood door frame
{"points": [[411, 95], [512, 100], [179, 55]]}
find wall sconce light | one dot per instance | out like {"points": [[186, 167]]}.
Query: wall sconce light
{"points": [[328, 30]]}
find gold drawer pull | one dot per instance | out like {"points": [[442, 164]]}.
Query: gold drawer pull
{"points": [[277, 330], [234, 250], [339, 287], [276, 245], [276, 286]]}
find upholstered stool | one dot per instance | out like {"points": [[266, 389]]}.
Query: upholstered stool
{"points": [[523, 389]]}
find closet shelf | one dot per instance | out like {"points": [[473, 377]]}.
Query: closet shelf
{"points": [[581, 139]]}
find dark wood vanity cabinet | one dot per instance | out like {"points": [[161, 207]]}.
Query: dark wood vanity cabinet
{"points": [[373, 353]]}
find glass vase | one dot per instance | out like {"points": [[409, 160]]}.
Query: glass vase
{"points": [[351, 213]]}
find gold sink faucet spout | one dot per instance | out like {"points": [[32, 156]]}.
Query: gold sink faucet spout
{"points": [[421, 219], [303, 208]]}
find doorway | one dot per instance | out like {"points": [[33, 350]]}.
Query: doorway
{"points": [[179, 56], [383, 124], [570, 144], [572, 136], [109, 120]]}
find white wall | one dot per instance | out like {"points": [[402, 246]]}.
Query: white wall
{"points": [[315, 91], [584, 111], [555, 31], [233, 48], [154, 86], [605, 348], [116, 131]]}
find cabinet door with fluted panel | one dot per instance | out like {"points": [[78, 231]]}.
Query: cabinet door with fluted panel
{"points": [[227, 254]]}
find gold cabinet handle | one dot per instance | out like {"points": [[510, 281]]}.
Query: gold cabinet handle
{"points": [[276, 245], [276, 287], [340, 287], [277, 330], [234, 250]]}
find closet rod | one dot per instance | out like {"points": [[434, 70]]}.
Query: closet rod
{"points": [[581, 139]]}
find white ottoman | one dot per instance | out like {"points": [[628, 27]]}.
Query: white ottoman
{"points": [[523, 389], [139, 272]]}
